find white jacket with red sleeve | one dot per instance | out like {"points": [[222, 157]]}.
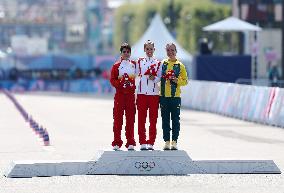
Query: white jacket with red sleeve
{"points": [[144, 84]]}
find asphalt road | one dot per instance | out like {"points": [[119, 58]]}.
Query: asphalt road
{"points": [[80, 126]]}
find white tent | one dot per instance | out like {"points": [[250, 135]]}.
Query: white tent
{"points": [[232, 24], [158, 33]]}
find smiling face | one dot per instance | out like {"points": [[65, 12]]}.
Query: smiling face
{"points": [[171, 51], [125, 54], [149, 50]]}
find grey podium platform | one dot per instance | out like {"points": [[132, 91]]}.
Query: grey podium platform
{"points": [[139, 163]]}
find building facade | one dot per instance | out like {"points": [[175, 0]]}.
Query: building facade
{"points": [[268, 47]]}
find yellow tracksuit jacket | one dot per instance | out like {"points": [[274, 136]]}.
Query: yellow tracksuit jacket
{"points": [[168, 88]]}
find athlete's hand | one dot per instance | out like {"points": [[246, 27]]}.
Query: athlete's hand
{"points": [[151, 77], [175, 80]]}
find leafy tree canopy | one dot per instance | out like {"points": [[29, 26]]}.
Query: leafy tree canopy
{"points": [[183, 18]]}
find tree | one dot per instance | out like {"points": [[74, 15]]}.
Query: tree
{"points": [[183, 18], [194, 18]]}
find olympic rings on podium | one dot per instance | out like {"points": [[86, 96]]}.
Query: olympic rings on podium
{"points": [[145, 166]]}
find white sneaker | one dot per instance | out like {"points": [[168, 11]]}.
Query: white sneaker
{"points": [[150, 147], [174, 145], [130, 148], [167, 145], [116, 148], [143, 147]]}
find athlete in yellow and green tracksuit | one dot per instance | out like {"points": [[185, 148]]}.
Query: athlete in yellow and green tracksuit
{"points": [[170, 100]]}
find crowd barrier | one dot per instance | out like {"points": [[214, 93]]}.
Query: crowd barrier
{"points": [[246, 102], [99, 85], [38, 129], [61, 61]]}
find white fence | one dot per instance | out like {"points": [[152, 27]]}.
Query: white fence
{"points": [[252, 103]]}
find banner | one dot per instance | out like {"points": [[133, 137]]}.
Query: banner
{"points": [[246, 102]]}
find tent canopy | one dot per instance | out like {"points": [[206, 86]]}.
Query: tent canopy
{"points": [[158, 33], [232, 24]]}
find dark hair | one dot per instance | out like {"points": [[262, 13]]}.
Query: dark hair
{"points": [[125, 46]]}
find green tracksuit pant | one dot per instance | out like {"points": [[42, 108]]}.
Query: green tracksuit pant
{"points": [[170, 110]]}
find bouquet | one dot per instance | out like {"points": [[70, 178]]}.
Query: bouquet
{"points": [[127, 81], [151, 70], [170, 75]]}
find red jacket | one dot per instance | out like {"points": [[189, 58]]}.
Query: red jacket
{"points": [[123, 76]]}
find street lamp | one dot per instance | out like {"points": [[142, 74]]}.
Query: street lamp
{"points": [[171, 18], [125, 21]]}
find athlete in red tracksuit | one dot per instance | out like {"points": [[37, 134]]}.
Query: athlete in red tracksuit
{"points": [[149, 73], [123, 79]]}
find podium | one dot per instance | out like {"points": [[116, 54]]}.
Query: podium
{"points": [[139, 163]]}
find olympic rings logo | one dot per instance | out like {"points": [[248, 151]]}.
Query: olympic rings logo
{"points": [[145, 166]]}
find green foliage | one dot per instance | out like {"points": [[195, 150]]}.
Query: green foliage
{"points": [[187, 18], [144, 15], [194, 19]]}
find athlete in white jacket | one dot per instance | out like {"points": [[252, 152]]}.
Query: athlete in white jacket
{"points": [[149, 74]]}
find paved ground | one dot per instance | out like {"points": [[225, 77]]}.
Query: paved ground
{"points": [[81, 126]]}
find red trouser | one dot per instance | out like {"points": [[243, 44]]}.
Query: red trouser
{"points": [[145, 102], [123, 102]]}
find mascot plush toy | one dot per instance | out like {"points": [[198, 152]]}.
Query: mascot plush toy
{"points": [[127, 81]]}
